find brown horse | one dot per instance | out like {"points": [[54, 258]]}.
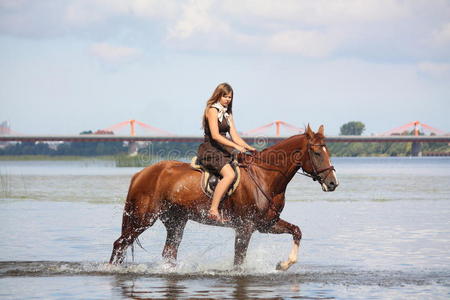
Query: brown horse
{"points": [[170, 191]]}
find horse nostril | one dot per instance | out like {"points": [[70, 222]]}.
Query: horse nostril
{"points": [[332, 183]]}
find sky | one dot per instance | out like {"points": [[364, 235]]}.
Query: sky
{"points": [[68, 66]]}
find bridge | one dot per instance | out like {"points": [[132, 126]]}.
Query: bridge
{"points": [[186, 139], [260, 135]]}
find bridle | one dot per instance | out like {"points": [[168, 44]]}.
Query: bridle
{"points": [[315, 174]]}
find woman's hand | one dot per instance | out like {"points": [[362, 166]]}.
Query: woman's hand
{"points": [[250, 148], [240, 148]]}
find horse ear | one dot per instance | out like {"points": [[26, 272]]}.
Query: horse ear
{"points": [[309, 133], [321, 130]]}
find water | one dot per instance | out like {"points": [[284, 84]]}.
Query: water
{"points": [[383, 234]]}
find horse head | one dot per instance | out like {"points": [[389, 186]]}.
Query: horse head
{"points": [[317, 161]]}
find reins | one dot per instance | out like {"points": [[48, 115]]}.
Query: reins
{"points": [[273, 167], [315, 175], [271, 206]]}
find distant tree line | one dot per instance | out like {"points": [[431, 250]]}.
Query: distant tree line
{"points": [[379, 149], [163, 149], [73, 149], [179, 150], [384, 149]]}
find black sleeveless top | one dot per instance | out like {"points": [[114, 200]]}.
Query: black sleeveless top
{"points": [[224, 128], [211, 153]]}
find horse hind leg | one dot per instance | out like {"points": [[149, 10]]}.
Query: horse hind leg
{"points": [[241, 242], [133, 224]]}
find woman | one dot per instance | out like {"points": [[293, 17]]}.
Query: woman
{"points": [[213, 153]]}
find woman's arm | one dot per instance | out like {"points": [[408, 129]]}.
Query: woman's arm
{"points": [[236, 138], [214, 128]]}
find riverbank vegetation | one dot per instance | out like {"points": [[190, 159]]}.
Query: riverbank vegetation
{"points": [[386, 149], [165, 150]]}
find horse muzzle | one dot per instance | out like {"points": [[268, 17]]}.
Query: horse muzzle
{"points": [[329, 187], [330, 183]]}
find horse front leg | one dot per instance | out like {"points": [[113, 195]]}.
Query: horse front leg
{"points": [[285, 227], [241, 242]]}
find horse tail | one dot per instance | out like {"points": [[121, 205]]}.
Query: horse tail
{"points": [[135, 219], [127, 220], [130, 221]]}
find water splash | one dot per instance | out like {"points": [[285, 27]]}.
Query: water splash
{"points": [[305, 273]]}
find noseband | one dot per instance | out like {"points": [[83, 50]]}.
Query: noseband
{"points": [[315, 174]]}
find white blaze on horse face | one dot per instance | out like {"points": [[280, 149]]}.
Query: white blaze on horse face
{"points": [[325, 150], [333, 172]]}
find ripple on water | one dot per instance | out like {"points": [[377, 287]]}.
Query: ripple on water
{"points": [[340, 275]]}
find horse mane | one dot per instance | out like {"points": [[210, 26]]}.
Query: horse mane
{"points": [[288, 141], [283, 144]]}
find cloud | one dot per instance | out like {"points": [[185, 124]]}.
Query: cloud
{"points": [[114, 54], [380, 30], [441, 36], [81, 12], [437, 70], [31, 19], [383, 30], [309, 43], [317, 12], [51, 19], [197, 18]]}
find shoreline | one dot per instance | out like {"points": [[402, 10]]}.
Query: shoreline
{"points": [[55, 157], [126, 157]]}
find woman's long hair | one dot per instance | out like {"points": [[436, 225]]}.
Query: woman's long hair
{"points": [[221, 89]]}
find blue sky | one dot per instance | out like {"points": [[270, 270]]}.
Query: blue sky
{"points": [[73, 65]]}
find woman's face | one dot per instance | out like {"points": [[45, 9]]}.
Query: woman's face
{"points": [[225, 100]]}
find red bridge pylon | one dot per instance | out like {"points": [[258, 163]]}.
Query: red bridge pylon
{"points": [[5, 129], [416, 127], [277, 124], [132, 124]]}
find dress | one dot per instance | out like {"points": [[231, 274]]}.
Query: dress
{"points": [[212, 154]]}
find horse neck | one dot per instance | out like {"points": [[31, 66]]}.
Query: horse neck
{"points": [[286, 156]]}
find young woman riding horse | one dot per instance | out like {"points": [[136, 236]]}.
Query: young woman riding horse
{"points": [[213, 152], [171, 192]]}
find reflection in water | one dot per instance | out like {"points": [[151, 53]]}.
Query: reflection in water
{"points": [[215, 287], [241, 288], [179, 287], [150, 288]]}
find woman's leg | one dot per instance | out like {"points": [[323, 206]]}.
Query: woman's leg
{"points": [[227, 173]]}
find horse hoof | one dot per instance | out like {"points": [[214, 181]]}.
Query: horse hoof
{"points": [[280, 267], [169, 265], [238, 268]]}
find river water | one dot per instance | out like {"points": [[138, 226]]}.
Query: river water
{"points": [[383, 234]]}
